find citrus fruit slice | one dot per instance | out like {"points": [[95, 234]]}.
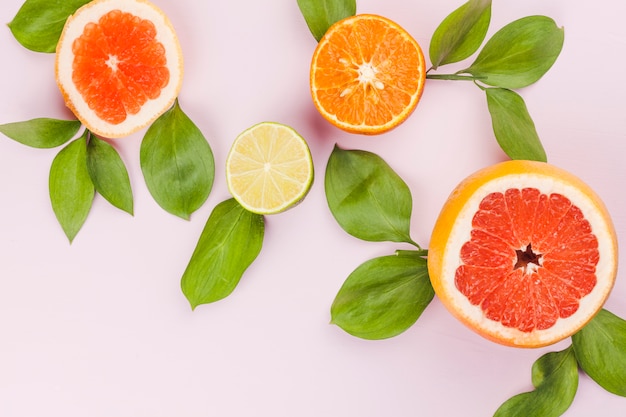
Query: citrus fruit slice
{"points": [[524, 253], [269, 168], [367, 74], [118, 65]]}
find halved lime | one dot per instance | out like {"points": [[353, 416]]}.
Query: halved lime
{"points": [[269, 168]]}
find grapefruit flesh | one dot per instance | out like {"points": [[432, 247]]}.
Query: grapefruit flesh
{"points": [[524, 253]]}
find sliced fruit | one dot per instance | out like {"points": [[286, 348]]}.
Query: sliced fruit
{"points": [[269, 168], [367, 74], [524, 253], [119, 65]]}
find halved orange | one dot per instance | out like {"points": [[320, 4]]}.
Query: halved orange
{"points": [[367, 74], [524, 253], [119, 65]]}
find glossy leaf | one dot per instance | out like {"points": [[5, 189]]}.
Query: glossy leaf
{"points": [[321, 14], [71, 189], [108, 174], [383, 297], [555, 378], [38, 23], [512, 125], [230, 242], [42, 132], [461, 33], [519, 54], [177, 163], [367, 198], [601, 351]]}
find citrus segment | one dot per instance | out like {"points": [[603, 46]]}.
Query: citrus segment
{"points": [[367, 74], [524, 253], [118, 65], [269, 168]]}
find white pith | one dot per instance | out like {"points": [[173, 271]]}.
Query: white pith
{"points": [[460, 233], [152, 108]]}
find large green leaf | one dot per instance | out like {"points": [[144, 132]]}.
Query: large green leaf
{"points": [[108, 174], [512, 125], [555, 378], [461, 33], [383, 297], [321, 14], [177, 163], [366, 197], [601, 351], [519, 54], [42, 132], [71, 189], [229, 243], [38, 23]]}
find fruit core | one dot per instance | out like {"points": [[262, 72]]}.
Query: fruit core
{"points": [[119, 65], [530, 258]]}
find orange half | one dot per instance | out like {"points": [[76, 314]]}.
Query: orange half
{"points": [[367, 74]]}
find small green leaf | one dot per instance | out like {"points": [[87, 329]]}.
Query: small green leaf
{"points": [[229, 243], [512, 125], [321, 14], [383, 297], [108, 174], [555, 378], [177, 163], [519, 54], [367, 198], [71, 189], [461, 33], [38, 23], [600, 348], [42, 132]]}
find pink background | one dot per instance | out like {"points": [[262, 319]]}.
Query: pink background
{"points": [[101, 328]]}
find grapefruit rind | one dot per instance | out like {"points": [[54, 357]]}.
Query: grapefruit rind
{"points": [[241, 146], [454, 225], [152, 109], [364, 128]]}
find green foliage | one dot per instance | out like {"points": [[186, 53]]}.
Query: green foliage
{"points": [[177, 163], [366, 197], [600, 348], [555, 378], [41, 132], [230, 242], [321, 14], [38, 23], [461, 33], [108, 174], [71, 189], [383, 297]]}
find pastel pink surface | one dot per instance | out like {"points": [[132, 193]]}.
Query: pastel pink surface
{"points": [[101, 328]]}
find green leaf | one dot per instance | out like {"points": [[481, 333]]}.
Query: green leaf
{"points": [[229, 243], [42, 132], [71, 189], [519, 54], [38, 23], [108, 174], [555, 378], [367, 198], [600, 348], [383, 297], [461, 33], [177, 163], [321, 14], [512, 125]]}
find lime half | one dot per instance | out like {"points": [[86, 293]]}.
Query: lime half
{"points": [[269, 168]]}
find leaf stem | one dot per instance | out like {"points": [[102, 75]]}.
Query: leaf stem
{"points": [[453, 77]]}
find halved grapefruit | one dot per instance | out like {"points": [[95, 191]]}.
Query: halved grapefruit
{"points": [[119, 65], [524, 253]]}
